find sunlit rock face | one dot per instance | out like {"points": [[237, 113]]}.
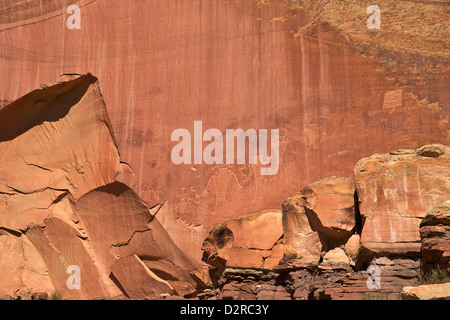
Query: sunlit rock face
{"points": [[336, 90], [62, 210]]}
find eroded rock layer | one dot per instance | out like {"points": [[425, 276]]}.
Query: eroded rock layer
{"points": [[396, 191]]}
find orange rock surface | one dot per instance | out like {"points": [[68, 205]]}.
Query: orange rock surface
{"points": [[440, 291], [319, 218], [435, 238], [396, 191], [61, 205], [73, 191], [250, 242], [336, 90], [336, 228]]}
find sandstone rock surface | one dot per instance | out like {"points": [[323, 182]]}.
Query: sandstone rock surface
{"points": [[319, 218], [326, 228], [435, 238], [61, 205], [251, 242], [336, 90], [335, 259], [440, 291], [396, 191]]}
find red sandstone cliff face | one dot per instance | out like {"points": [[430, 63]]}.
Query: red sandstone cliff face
{"points": [[336, 90], [63, 205]]}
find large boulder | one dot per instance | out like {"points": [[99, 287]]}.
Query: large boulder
{"points": [[330, 206], [396, 191], [302, 244], [322, 216]]}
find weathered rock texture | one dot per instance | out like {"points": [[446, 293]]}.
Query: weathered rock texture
{"points": [[63, 202], [320, 217], [252, 242], [435, 238], [61, 205], [336, 228], [408, 30], [336, 90], [396, 191]]}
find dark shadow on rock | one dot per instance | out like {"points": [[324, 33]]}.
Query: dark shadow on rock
{"points": [[42, 105]]}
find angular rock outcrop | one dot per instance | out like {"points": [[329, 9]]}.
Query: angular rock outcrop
{"points": [[396, 191], [435, 238], [251, 242], [322, 216], [61, 204], [129, 230]]}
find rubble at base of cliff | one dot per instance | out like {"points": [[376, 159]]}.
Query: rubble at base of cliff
{"points": [[354, 238]]}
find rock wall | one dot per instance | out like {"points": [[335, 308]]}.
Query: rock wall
{"points": [[73, 191], [362, 237], [435, 238], [64, 204], [337, 91]]}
